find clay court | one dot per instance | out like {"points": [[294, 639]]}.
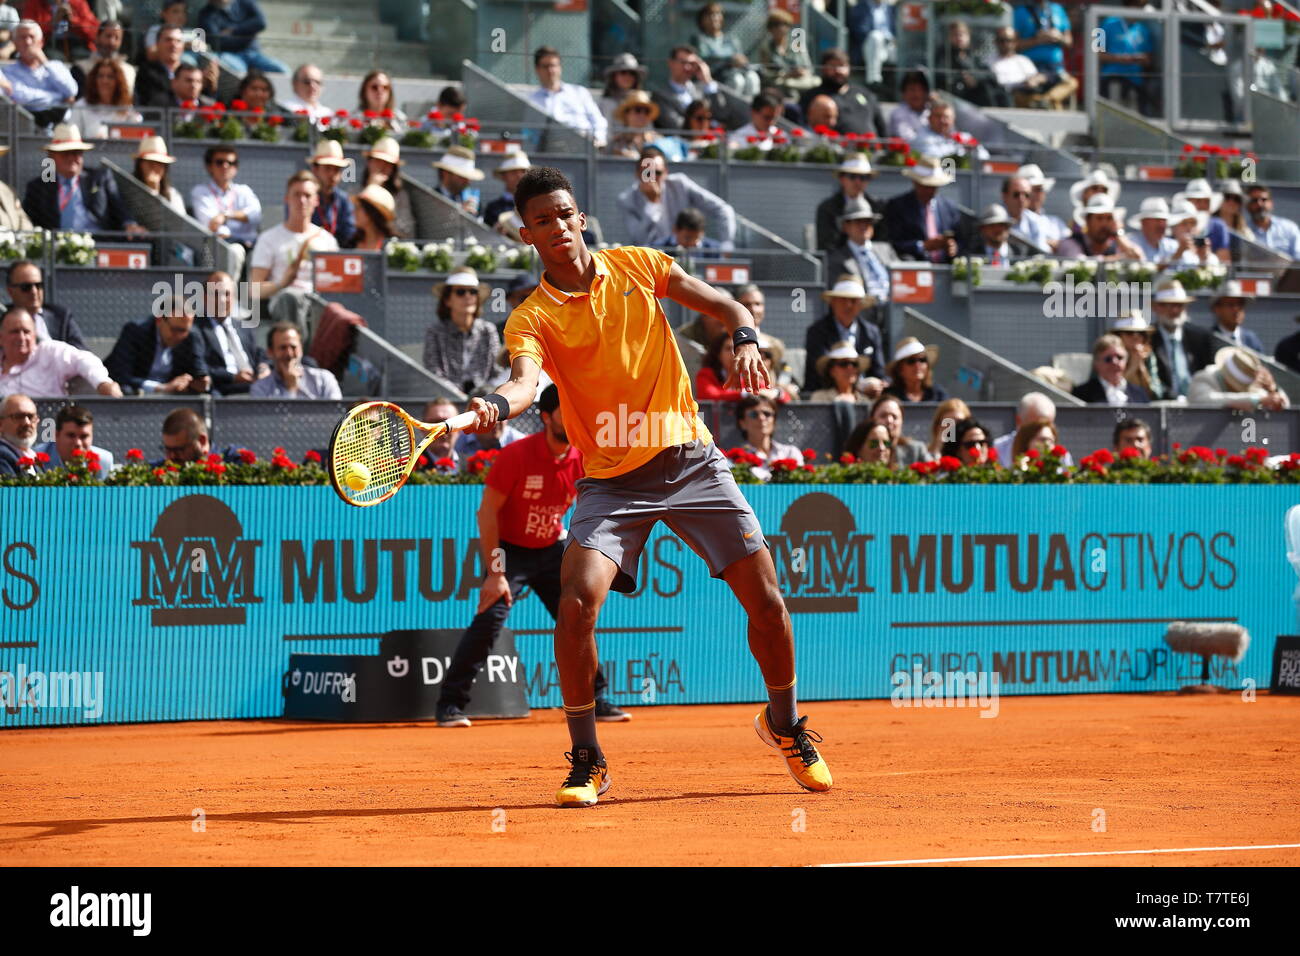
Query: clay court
{"points": [[692, 785]]}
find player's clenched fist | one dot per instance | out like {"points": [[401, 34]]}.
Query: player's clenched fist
{"points": [[748, 370]]}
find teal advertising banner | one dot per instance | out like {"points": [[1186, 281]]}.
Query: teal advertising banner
{"points": [[185, 603]]}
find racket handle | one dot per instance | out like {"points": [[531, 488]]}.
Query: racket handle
{"points": [[463, 420]]}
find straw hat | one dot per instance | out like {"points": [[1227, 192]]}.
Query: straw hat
{"points": [[380, 198], [463, 276], [1200, 189], [1237, 368], [1098, 177], [1171, 293], [3, 150], [906, 349], [841, 350], [995, 214], [1231, 187], [1099, 205], [858, 209], [768, 344], [459, 161], [1232, 290], [154, 148], [849, 286], [1153, 207], [1182, 210], [928, 171], [508, 224], [514, 161], [328, 152], [1033, 173], [856, 163], [66, 139], [625, 63], [1130, 321], [635, 98], [388, 150]]}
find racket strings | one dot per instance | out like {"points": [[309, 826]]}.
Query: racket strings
{"points": [[381, 441]]}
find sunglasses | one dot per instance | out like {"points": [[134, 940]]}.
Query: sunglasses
{"points": [[463, 290], [638, 109], [28, 286], [225, 162], [844, 363], [917, 360], [1113, 359], [759, 413], [879, 443], [856, 177], [975, 443]]}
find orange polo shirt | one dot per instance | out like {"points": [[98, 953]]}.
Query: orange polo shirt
{"points": [[624, 392]]}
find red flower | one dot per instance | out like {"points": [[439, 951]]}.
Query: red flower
{"points": [[797, 133], [312, 455], [217, 469], [473, 124], [1059, 451], [370, 114], [219, 107], [809, 468], [910, 161], [1032, 454], [457, 117], [341, 114], [238, 105], [1129, 453], [356, 123], [751, 139], [385, 114], [847, 459], [1188, 148], [207, 116], [1221, 452], [921, 467], [159, 472], [27, 461], [44, 459], [247, 456], [259, 109], [435, 115], [1104, 456], [809, 454], [134, 454], [949, 463], [214, 459], [1257, 455], [189, 104], [1236, 461], [275, 120], [821, 129], [172, 466], [734, 453], [301, 113], [444, 464], [992, 459], [279, 450]]}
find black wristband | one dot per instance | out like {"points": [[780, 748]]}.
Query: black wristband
{"points": [[502, 404], [744, 336]]}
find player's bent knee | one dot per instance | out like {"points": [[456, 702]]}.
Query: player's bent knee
{"points": [[579, 608]]}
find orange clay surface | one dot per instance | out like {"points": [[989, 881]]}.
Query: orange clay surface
{"points": [[691, 785]]}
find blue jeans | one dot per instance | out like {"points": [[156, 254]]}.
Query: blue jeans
{"points": [[539, 568], [251, 59]]}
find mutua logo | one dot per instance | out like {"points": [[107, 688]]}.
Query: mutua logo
{"points": [[821, 560], [197, 569]]}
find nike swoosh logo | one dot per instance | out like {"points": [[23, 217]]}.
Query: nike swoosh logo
{"points": [[628, 292], [749, 534]]}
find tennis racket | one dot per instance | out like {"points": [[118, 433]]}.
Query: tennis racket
{"points": [[375, 448]]}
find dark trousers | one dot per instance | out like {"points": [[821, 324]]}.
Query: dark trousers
{"points": [[539, 568]]}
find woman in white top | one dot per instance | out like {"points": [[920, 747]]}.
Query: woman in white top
{"points": [[107, 100], [151, 168]]}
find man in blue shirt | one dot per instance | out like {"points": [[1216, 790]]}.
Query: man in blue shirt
{"points": [[572, 105], [39, 85], [74, 430], [232, 27], [1044, 32], [1280, 235], [1128, 61], [76, 198]]}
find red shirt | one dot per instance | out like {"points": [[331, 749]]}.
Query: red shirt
{"points": [[538, 490]]}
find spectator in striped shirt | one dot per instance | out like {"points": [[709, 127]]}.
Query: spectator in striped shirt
{"points": [[461, 346]]}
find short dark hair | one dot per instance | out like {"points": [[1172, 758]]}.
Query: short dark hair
{"points": [[188, 68], [542, 52], [1258, 187], [765, 101], [77, 414], [682, 48], [185, 420], [451, 96], [109, 25], [9, 273], [540, 181], [651, 152], [963, 428], [690, 218], [1127, 425], [549, 400], [751, 401], [914, 76], [212, 152], [834, 54], [281, 327]]}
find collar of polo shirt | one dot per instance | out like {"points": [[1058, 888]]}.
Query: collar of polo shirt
{"points": [[560, 296]]}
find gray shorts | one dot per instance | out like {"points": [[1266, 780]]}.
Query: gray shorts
{"points": [[690, 488]]}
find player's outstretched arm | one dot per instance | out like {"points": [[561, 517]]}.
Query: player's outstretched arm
{"points": [[519, 393], [748, 371]]}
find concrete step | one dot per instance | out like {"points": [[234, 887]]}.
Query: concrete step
{"points": [[366, 29], [348, 55]]}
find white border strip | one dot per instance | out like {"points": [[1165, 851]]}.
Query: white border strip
{"points": [[1045, 856]]}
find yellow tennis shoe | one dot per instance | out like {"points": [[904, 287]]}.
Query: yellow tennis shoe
{"points": [[587, 780], [798, 750]]}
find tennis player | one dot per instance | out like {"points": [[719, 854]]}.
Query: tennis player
{"points": [[595, 325], [521, 536]]}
